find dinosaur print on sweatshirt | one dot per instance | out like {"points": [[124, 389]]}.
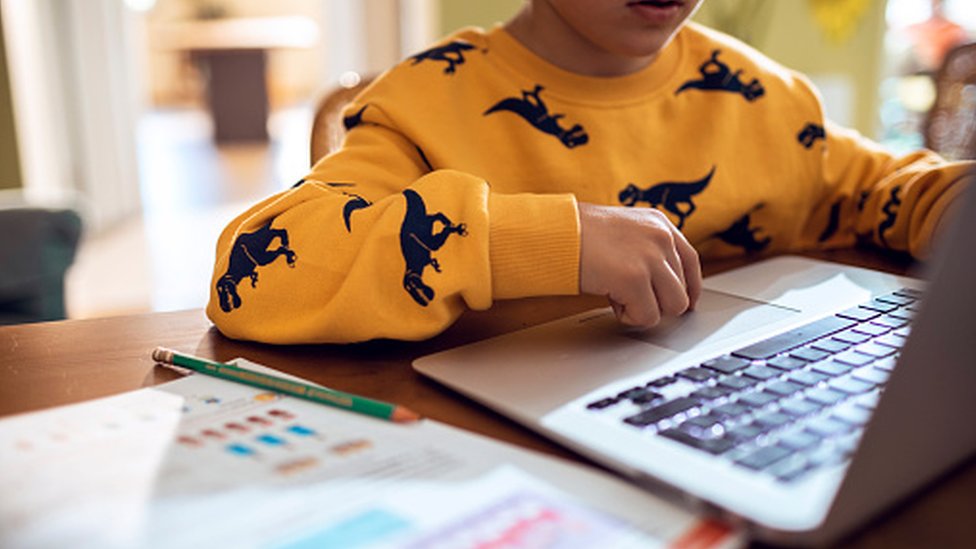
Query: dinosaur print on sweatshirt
{"points": [[250, 251], [419, 239], [741, 234], [675, 197], [717, 76], [351, 121], [354, 203], [810, 134], [534, 110], [451, 53], [890, 209], [833, 223]]}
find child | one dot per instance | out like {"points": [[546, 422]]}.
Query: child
{"points": [[584, 147]]}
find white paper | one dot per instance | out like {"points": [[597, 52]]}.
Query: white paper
{"points": [[205, 462]]}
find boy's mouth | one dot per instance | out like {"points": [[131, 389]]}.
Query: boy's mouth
{"points": [[656, 11], [657, 3]]}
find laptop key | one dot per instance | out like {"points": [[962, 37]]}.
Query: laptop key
{"points": [[871, 329], [646, 397], [896, 299], [826, 427], [729, 410], [786, 363], [783, 388], [736, 382], [799, 440], [890, 321], [790, 468], [892, 340], [848, 443], [662, 382], [793, 338], [662, 411], [825, 456], [868, 401], [851, 336], [696, 374], [760, 372], [715, 446], [726, 364], [764, 457], [772, 420], [851, 386], [633, 391], [757, 399], [871, 374], [744, 433], [853, 358], [904, 314], [879, 306], [809, 354], [808, 378], [886, 364], [799, 407], [859, 314], [831, 368], [830, 346], [602, 403], [697, 424], [825, 397], [852, 414], [910, 292], [903, 331], [712, 393], [875, 350]]}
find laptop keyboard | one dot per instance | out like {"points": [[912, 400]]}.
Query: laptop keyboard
{"points": [[784, 406]]}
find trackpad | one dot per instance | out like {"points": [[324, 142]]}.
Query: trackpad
{"points": [[717, 316]]}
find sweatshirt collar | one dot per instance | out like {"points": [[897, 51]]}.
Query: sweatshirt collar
{"points": [[587, 89]]}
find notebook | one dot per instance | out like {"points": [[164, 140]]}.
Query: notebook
{"points": [[801, 397]]}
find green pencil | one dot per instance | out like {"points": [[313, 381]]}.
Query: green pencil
{"points": [[321, 395]]}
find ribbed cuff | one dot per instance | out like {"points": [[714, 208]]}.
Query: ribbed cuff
{"points": [[533, 244]]}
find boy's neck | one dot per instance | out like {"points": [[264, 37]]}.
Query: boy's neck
{"points": [[545, 34]]}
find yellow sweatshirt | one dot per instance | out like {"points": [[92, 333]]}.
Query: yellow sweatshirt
{"points": [[458, 180]]}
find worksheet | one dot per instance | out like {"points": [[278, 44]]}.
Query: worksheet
{"points": [[205, 462]]}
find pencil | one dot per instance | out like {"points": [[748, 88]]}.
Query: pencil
{"points": [[321, 395]]}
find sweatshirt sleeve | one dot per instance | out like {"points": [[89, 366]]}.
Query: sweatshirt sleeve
{"points": [[870, 195], [375, 244]]}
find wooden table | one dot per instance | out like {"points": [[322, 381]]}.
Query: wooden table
{"points": [[50, 364]]}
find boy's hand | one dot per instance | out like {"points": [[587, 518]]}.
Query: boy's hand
{"points": [[640, 261]]}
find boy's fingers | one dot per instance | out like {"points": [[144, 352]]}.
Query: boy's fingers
{"points": [[639, 306], [692, 269], [674, 260], [670, 292]]}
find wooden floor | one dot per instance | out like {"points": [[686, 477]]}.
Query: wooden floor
{"points": [[162, 259]]}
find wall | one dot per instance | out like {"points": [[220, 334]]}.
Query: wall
{"points": [[455, 14], [847, 72], [10, 176]]}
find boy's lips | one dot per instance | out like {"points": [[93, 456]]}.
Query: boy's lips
{"points": [[657, 11]]}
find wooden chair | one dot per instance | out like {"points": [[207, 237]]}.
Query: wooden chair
{"points": [[950, 127], [327, 128]]}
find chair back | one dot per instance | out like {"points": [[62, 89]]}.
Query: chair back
{"points": [[327, 127], [950, 128]]}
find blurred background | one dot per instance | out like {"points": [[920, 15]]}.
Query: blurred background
{"points": [[132, 131]]}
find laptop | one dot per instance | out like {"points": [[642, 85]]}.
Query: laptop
{"points": [[800, 399]]}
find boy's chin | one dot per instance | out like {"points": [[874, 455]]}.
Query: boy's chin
{"points": [[645, 46]]}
